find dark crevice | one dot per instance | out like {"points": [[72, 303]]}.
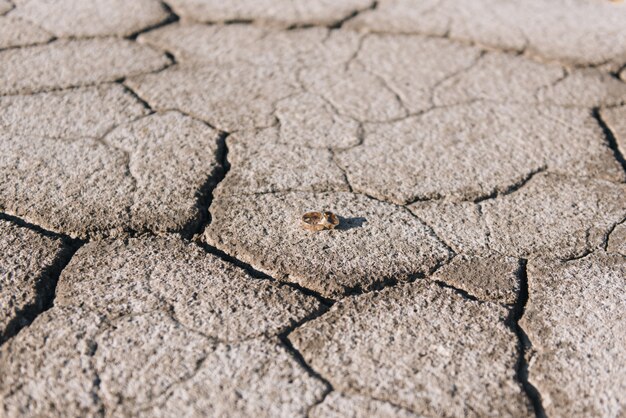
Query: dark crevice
{"points": [[45, 282], [464, 294], [435, 87], [344, 173], [513, 187], [587, 252], [392, 281], [588, 249], [617, 73], [260, 275], [31, 44], [95, 395], [171, 18], [171, 57], [338, 24], [299, 26], [498, 192], [204, 195], [607, 237], [513, 321], [299, 358], [377, 286], [431, 197], [45, 285], [38, 229], [610, 138], [239, 21], [133, 93], [451, 251]]}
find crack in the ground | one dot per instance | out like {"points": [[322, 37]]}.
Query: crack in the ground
{"points": [[136, 96], [171, 18], [299, 358], [46, 281], [128, 172], [496, 193], [463, 293], [435, 87], [355, 54], [339, 23], [205, 194], [566, 73], [432, 231], [28, 45], [607, 236], [512, 188], [32, 92], [513, 321], [256, 274], [380, 284], [344, 173], [610, 138]]}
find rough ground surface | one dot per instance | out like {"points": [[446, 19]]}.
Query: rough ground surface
{"points": [[574, 315], [157, 157], [26, 261], [437, 336]]}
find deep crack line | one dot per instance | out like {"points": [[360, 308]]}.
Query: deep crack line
{"points": [[46, 282], [610, 138], [171, 18], [462, 293], [512, 188], [205, 195], [607, 237], [339, 24], [136, 96], [299, 358], [521, 368], [256, 274]]}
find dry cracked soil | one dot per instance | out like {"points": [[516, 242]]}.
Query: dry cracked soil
{"points": [[156, 158]]}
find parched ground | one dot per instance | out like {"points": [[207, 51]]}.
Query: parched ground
{"points": [[156, 158]]}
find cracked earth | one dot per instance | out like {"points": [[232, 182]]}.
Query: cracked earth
{"points": [[156, 158]]}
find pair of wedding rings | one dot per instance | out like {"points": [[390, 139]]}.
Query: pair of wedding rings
{"points": [[318, 221]]}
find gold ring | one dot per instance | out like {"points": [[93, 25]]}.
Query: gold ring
{"points": [[318, 221]]}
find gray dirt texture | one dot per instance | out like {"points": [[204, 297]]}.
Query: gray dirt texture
{"points": [[157, 158]]}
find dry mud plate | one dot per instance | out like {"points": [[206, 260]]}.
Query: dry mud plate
{"points": [[157, 157]]}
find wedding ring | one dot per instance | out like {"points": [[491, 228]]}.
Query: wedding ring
{"points": [[318, 221]]}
